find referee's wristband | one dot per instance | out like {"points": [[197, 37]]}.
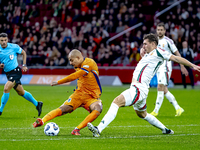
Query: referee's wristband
{"points": [[24, 65]]}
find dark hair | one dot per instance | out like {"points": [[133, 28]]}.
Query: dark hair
{"points": [[152, 38], [161, 24], [3, 35]]}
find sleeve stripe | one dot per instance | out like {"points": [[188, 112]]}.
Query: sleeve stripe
{"points": [[85, 70], [98, 81]]}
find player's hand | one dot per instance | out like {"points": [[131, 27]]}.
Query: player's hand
{"points": [[142, 52], [197, 68], [184, 70], [1, 65], [54, 83], [24, 68]]}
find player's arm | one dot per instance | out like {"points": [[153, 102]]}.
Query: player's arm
{"points": [[185, 62], [183, 69], [70, 77], [24, 66]]}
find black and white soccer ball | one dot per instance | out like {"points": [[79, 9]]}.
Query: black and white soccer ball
{"points": [[51, 129]]}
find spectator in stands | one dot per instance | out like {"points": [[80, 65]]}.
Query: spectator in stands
{"points": [[133, 20], [121, 61], [101, 52], [134, 56], [53, 23], [188, 54], [64, 61], [34, 56], [111, 12], [16, 15], [106, 60], [8, 30], [76, 15], [34, 12], [27, 11], [104, 34], [120, 27], [56, 9], [22, 5], [23, 18], [111, 28]]}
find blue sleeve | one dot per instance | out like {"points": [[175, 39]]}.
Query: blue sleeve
{"points": [[17, 49]]}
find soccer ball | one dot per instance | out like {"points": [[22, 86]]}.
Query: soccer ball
{"points": [[51, 129]]}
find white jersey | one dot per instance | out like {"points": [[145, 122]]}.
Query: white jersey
{"points": [[149, 64], [166, 44]]}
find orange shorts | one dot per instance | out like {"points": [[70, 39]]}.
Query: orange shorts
{"points": [[79, 98]]}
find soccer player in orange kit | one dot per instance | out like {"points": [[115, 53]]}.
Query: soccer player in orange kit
{"points": [[87, 93]]}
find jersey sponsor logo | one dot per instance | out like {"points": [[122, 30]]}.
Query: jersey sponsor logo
{"points": [[86, 66], [11, 78], [11, 57]]}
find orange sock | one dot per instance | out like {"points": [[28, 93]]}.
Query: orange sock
{"points": [[91, 117], [52, 114]]}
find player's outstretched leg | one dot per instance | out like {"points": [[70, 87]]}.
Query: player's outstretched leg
{"points": [[38, 123], [94, 130], [52, 114], [4, 100]]}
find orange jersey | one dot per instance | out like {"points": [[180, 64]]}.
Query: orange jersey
{"points": [[88, 78]]}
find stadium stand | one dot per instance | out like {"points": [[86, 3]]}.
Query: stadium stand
{"points": [[39, 26]]}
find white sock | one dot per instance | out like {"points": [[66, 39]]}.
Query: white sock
{"points": [[172, 100], [159, 101], [109, 117], [154, 121]]}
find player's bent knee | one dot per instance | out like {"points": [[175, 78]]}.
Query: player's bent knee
{"points": [[119, 100], [97, 106], [66, 109], [161, 87], [6, 90], [141, 114]]}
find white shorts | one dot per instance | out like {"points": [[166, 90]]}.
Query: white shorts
{"points": [[136, 95], [163, 77]]}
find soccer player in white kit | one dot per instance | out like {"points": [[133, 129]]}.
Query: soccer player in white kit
{"points": [[164, 72], [136, 95]]}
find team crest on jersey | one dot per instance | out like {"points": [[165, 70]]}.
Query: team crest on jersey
{"points": [[86, 66], [163, 45], [11, 57], [69, 100]]}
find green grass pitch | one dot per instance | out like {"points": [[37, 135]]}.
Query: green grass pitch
{"points": [[127, 131]]}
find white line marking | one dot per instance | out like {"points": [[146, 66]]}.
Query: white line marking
{"points": [[89, 138]]}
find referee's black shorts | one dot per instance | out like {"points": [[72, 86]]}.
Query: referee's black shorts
{"points": [[14, 75]]}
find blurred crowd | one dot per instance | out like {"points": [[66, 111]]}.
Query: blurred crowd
{"points": [[48, 29]]}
